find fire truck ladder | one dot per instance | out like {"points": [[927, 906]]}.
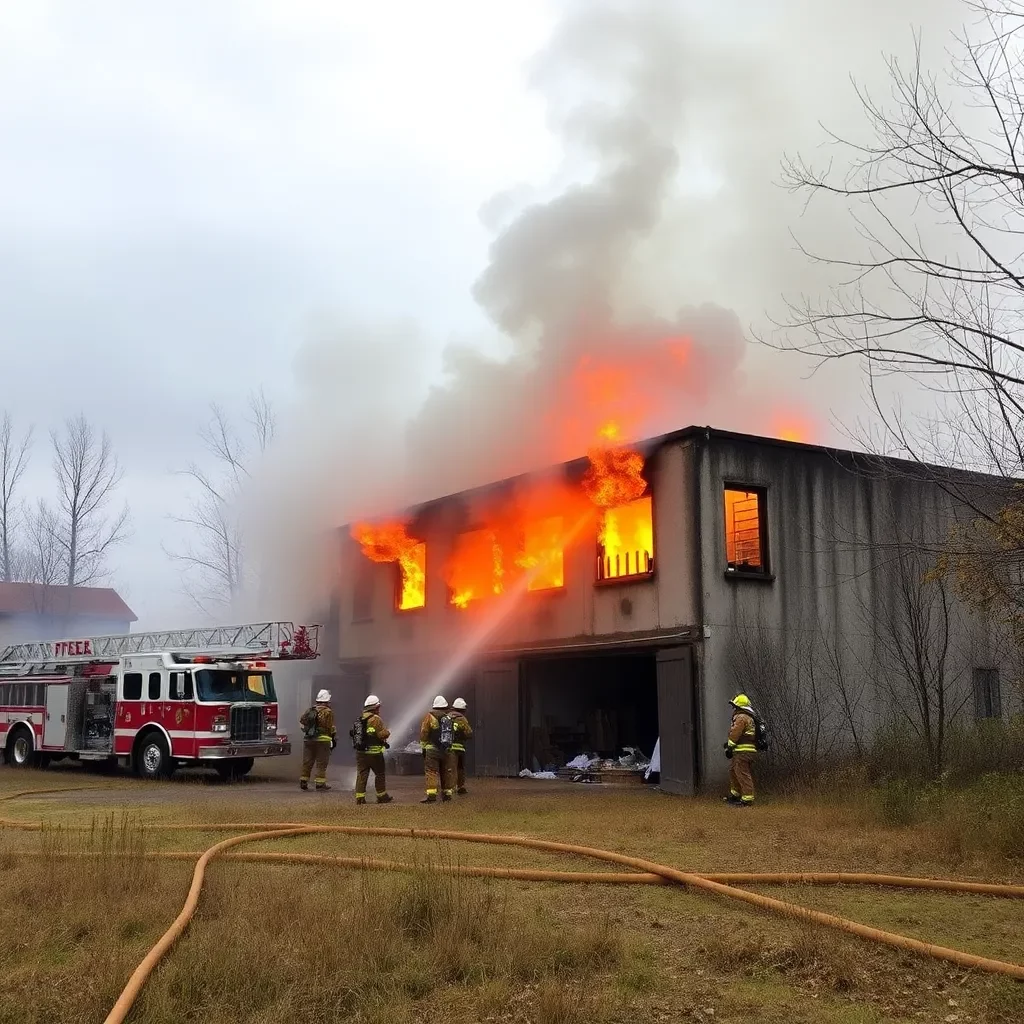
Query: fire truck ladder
{"points": [[277, 640]]}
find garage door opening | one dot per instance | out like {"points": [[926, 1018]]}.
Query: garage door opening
{"points": [[596, 705]]}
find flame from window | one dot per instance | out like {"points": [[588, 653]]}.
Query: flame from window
{"points": [[390, 542], [476, 568], [544, 553], [627, 539], [615, 483]]}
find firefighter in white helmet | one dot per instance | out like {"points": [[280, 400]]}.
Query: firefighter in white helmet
{"points": [[320, 737], [463, 731], [437, 733], [370, 739]]}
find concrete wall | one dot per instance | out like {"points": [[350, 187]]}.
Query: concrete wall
{"points": [[823, 630], [581, 609]]}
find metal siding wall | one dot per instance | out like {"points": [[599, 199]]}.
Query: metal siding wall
{"points": [[496, 725], [676, 720]]}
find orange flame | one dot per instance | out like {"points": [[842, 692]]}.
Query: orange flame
{"points": [[615, 483], [475, 568], [543, 553], [789, 426], [390, 542]]}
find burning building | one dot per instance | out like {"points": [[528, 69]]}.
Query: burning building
{"points": [[626, 596]]}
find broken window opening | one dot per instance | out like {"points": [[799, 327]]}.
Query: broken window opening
{"points": [[543, 554], [476, 568], [745, 530], [411, 587], [987, 694], [626, 541]]}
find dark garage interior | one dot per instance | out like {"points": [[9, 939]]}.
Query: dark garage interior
{"points": [[595, 704]]}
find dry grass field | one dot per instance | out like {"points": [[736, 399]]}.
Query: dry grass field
{"points": [[281, 942]]}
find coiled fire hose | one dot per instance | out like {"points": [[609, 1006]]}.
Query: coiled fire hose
{"points": [[643, 872]]}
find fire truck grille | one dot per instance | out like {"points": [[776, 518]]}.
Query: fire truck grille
{"points": [[246, 725]]}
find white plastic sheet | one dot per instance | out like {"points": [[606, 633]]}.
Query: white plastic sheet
{"points": [[655, 765]]}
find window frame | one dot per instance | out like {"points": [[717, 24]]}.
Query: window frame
{"points": [[988, 699], [124, 685], [633, 577], [735, 572], [188, 690], [396, 601]]}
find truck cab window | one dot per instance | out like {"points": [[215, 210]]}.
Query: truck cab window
{"points": [[181, 686], [154, 685], [133, 686]]}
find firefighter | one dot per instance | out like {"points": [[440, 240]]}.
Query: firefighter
{"points": [[369, 737], [321, 737], [436, 735], [463, 731], [740, 748]]}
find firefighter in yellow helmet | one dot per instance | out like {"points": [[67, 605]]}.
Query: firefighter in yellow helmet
{"points": [[370, 739], [436, 738], [320, 738], [741, 748], [463, 731]]}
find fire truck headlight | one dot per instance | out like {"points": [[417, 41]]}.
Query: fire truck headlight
{"points": [[220, 725], [270, 728]]}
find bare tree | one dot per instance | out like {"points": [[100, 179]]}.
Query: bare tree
{"points": [[936, 291], [14, 454], [920, 671], [214, 557], [797, 681], [87, 473], [43, 553]]}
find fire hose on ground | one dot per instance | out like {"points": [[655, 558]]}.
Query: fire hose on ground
{"points": [[643, 872]]}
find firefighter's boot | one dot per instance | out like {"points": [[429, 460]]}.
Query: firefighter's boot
{"points": [[462, 791], [431, 799], [322, 787], [303, 784], [446, 798], [360, 799], [385, 798]]}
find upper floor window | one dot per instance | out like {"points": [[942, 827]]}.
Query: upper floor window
{"points": [[746, 534], [626, 540], [988, 701], [411, 586]]}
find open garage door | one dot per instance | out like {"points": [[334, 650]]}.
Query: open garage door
{"points": [[677, 720], [595, 704]]}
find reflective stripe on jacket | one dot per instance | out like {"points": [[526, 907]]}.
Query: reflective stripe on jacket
{"points": [[463, 731], [376, 733], [742, 733], [430, 729]]}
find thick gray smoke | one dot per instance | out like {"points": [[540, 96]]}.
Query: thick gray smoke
{"points": [[664, 240]]}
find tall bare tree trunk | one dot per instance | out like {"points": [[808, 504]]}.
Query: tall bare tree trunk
{"points": [[13, 462]]}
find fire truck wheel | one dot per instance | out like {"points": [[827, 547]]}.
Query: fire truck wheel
{"points": [[152, 758], [19, 748], [235, 769]]}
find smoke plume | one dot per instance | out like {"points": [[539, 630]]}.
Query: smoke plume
{"points": [[627, 289]]}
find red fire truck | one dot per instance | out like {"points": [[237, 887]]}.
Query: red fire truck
{"points": [[150, 701]]}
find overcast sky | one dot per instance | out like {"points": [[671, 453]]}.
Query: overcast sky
{"points": [[185, 188], [190, 191]]}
